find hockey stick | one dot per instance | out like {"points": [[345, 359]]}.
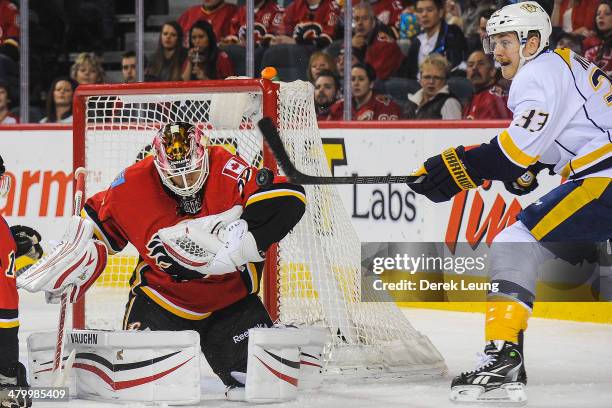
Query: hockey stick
{"points": [[270, 134], [61, 377]]}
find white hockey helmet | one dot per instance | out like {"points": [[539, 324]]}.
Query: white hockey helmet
{"points": [[180, 152], [520, 18]]}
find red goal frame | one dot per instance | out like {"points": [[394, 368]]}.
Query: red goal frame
{"points": [[270, 92]]}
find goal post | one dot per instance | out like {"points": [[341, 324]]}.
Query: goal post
{"points": [[313, 276]]}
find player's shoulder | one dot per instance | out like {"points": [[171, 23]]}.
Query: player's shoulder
{"points": [[544, 66], [543, 72], [224, 164], [134, 175]]}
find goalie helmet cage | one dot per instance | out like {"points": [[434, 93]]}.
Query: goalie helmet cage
{"points": [[313, 276]]}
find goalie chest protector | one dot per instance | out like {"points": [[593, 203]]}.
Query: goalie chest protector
{"points": [[136, 206]]}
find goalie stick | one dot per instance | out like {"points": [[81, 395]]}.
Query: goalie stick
{"points": [[270, 134], [61, 376]]}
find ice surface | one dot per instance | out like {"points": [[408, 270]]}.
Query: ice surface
{"points": [[568, 364]]}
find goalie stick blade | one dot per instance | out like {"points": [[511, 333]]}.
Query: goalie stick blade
{"points": [[270, 134]]}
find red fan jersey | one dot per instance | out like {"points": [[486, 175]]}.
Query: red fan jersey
{"points": [[268, 18], [384, 55], [9, 21], [491, 103], [220, 18], [224, 66], [324, 17], [387, 12], [379, 107], [8, 290], [136, 206]]}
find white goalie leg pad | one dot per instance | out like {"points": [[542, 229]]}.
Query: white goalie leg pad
{"points": [[137, 366], [41, 352], [273, 365], [311, 356]]}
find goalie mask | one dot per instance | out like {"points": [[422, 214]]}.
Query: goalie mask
{"points": [[181, 158]]}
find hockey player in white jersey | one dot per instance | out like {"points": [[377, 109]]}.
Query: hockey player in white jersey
{"points": [[562, 119]]}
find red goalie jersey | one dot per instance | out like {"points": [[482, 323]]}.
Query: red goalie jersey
{"points": [[137, 206]]}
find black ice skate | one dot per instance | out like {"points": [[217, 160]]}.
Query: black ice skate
{"points": [[499, 377]]}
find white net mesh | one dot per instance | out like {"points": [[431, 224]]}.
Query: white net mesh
{"points": [[318, 271]]}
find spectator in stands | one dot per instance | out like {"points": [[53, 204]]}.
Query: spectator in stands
{"points": [[575, 16], [374, 43], [436, 37], [433, 100], [472, 11], [601, 54], [59, 101], [6, 116], [9, 21], [366, 105], [388, 13], [169, 58], [327, 87], [205, 59], [453, 13], [474, 40], [268, 18], [319, 61], [489, 100], [340, 66], [87, 69], [9, 65], [128, 66], [217, 12], [309, 22], [571, 41], [408, 25]]}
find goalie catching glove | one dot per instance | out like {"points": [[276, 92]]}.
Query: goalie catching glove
{"points": [[77, 262], [212, 245], [446, 175]]}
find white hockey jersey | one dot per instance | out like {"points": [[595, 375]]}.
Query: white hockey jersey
{"points": [[562, 115]]}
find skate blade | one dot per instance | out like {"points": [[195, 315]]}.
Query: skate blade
{"points": [[507, 394]]}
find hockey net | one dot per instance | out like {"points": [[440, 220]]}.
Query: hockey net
{"points": [[312, 277]]}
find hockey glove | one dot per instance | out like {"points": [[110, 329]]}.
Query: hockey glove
{"points": [[168, 263], [446, 175], [522, 185], [28, 241], [528, 181]]}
